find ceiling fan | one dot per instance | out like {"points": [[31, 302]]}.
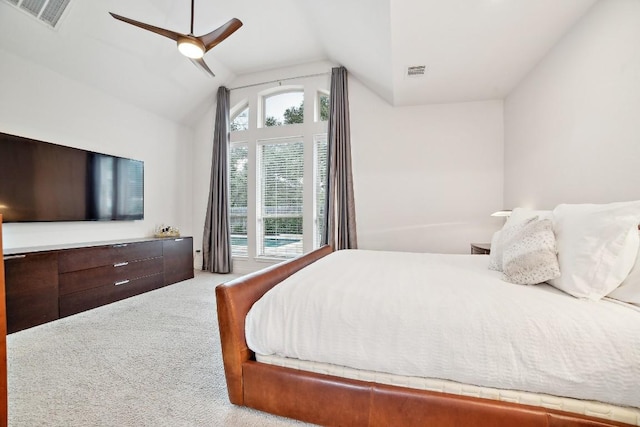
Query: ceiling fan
{"points": [[189, 45]]}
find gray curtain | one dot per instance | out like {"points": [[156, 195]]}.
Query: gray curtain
{"points": [[216, 241], [340, 211]]}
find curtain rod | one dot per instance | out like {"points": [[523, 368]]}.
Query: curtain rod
{"points": [[280, 80]]}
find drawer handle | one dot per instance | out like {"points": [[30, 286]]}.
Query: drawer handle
{"points": [[122, 282], [121, 245], [14, 257], [120, 264], [179, 240]]}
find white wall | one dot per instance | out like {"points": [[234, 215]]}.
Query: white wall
{"points": [[572, 127], [38, 103], [426, 178], [201, 164]]}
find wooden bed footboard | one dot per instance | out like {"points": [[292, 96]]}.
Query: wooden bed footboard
{"points": [[234, 300], [329, 400]]}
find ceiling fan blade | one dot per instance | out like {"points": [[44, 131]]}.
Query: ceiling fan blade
{"points": [[167, 33], [199, 62], [216, 36]]}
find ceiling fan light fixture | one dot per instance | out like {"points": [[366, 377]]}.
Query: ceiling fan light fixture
{"points": [[191, 47]]}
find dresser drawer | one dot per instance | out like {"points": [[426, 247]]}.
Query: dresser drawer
{"points": [[85, 258], [178, 260], [76, 281], [31, 290], [92, 298]]}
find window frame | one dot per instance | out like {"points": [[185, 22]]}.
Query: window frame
{"points": [[254, 95]]}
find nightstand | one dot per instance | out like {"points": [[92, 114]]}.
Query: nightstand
{"points": [[480, 248]]}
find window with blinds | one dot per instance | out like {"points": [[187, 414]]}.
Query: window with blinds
{"points": [[278, 166], [280, 198], [238, 198], [320, 187]]}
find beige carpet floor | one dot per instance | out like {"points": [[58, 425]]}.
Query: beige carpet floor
{"points": [[150, 360]]}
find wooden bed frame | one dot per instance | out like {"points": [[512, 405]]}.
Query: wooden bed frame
{"points": [[335, 401]]}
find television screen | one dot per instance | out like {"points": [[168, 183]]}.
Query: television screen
{"points": [[40, 181]]}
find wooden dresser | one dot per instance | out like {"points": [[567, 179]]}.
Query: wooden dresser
{"points": [[49, 283]]}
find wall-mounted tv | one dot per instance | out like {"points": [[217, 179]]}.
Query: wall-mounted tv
{"points": [[40, 181]]}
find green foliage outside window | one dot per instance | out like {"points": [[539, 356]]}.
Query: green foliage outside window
{"points": [[292, 115], [324, 108], [272, 121], [277, 226], [241, 121]]}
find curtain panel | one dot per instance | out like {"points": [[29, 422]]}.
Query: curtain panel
{"points": [[216, 241], [340, 219]]}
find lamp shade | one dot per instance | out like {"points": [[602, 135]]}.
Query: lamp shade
{"points": [[502, 213]]}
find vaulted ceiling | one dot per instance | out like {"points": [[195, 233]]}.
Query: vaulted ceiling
{"points": [[472, 49]]}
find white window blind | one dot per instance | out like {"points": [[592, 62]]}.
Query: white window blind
{"points": [[280, 198], [320, 187], [238, 190]]}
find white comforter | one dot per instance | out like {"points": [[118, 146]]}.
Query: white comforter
{"points": [[449, 317]]}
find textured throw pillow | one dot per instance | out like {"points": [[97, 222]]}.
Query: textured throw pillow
{"points": [[629, 290], [518, 217], [495, 256], [504, 235], [597, 247], [529, 256]]}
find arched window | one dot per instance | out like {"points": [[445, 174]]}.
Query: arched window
{"points": [[240, 118], [277, 164], [283, 108]]}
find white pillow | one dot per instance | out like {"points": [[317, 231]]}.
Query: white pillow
{"points": [[530, 255], [629, 290], [597, 246]]}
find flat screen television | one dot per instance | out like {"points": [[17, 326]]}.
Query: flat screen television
{"points": [[40, 181]]}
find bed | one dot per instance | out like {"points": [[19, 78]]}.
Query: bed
{"points": [[305, 383]]}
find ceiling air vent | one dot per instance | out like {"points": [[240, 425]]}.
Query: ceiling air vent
{"points": [[416, 70], [47, 11]]}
